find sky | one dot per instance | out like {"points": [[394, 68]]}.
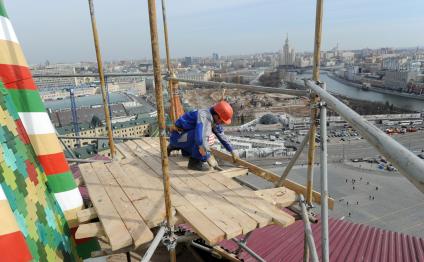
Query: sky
{"points": [[60, 30]]}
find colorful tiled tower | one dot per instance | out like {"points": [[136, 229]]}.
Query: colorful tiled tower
{"points": [[32, 226], [15, 74], [34, 122]]}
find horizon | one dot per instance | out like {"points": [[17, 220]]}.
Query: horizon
{"points": [[197, 28], [163, 58]]}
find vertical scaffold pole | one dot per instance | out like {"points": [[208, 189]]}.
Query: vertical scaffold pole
{"points": [[165, 32], [324, 182], [171, 88], [102, 79], [161, 118], [314, 110]]}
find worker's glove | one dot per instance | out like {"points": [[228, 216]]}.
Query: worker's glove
{"points": [[212, 162], [234, 157], [175, 129]]}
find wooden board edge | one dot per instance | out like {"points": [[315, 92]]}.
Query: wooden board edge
{"points": [[272, 177], [89, 230], [86, 215]]}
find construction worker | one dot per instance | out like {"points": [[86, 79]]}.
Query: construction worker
{"points": [[193, 134]]}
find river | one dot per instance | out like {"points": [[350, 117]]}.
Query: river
{"points": [[336, 87]]}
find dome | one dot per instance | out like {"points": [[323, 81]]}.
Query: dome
{"points": [[268, 119]]}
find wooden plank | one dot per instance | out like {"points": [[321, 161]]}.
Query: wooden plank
{"points": [[234, 172], [258, 215], [194, 196], [125, 152], [205, 228], [272, 177], [261, 218], [232, 215], [86, 215], [278, 216], [144, 191], [280, 197], [201, 224], [89, 230], [136, 226], [227, 207], [79, 181], [114, 228]]}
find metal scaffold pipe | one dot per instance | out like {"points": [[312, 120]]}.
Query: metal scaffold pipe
{"points": [[309, 237], [161, 117], [293, 161], [408, 164], [325, 245], [253, 88], [155, 243], [102, 79]]}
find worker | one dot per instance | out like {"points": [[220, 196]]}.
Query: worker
{"points": [[193, 132]]}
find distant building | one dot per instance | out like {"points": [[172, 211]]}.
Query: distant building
{"points": [[347, 57], [64, 93], [398, 80], [195, 75], [394, 63], [215, 56], [287, 54], [188, 61], [138, 128], [44, 83], [303, 61]]}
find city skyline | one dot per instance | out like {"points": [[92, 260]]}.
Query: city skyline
{"points": [[200, 28]]}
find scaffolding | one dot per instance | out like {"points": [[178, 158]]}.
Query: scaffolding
{"points": [[405, 161]]}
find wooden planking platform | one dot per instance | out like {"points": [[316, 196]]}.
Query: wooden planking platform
{"points": [[128, 198]]}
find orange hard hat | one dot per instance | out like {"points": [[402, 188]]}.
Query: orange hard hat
{"points": [[224, 111]]}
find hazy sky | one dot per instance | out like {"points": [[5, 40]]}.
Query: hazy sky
{"points": [[60, 30]]}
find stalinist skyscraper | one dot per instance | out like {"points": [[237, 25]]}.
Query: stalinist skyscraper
{"points": [[287, 54]]}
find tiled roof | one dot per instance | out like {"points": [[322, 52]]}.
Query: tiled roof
{"points": [[348, 242]]}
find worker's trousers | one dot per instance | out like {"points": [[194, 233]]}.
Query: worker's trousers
{"points": [[185, 141]]}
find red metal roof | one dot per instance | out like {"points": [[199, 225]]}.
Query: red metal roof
{"points": [[348, 242]]}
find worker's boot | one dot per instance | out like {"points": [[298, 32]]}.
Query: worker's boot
{"points": [[195, 164], [170, 148]]}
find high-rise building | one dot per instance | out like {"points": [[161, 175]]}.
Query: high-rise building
{"points": [[188, 61], [287, 54], [215, 56]]}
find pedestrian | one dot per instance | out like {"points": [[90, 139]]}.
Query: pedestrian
{"points": [[357, 202], [353, 187], [349, 214], [376, 188], [372, 197], [346, 180]]}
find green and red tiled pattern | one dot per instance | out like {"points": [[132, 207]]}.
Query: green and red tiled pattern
{"points": [[23, 182]]}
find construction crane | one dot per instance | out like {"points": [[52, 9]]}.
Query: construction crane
{"points": [[74, 115]]}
